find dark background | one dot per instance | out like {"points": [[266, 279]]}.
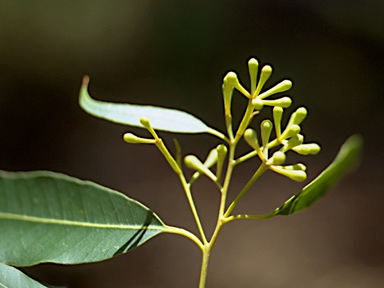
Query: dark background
{"points": [[175, 54]]}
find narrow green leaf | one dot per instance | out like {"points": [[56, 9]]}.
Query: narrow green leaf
{"points": [[50, 217], [10, 277], [347, 159], [163, 119]]}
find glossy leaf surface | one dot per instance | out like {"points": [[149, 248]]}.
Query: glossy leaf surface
{"points": [[347, 159], [164, 119], [50, 217], [10, 277]]}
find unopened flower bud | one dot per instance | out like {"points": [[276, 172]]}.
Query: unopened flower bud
{"points": [[194, 163], [250, 137], [306, 149], [290, 132], [298, 116], [231, 79], [296, 175], [211, 158], [266, 71], [297, 166], [277, 158], [292, 142], [133, 139], [253, 67], [283, 102], [283, 86], [277, 115], [266, 129]]}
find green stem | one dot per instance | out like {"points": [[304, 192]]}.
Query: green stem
{"points": [[258, 173], [192, 205], [206, 253], [185, 233]]}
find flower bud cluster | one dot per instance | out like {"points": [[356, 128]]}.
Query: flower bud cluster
{"points": [[288, 138]]}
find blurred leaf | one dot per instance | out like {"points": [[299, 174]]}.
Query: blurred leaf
{"points": [[50, 217], [164, 119], [347, 159], [13, 278]]}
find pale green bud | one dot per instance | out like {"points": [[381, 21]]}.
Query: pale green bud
{"points": [[253, 67], [290, 132], [133, 139], [221, 154], [193, 162], [277, 115], [231, 79], [266, 72], [145, 122], [292, 142], [283, 102], [296, 175], [250, 137], [211, 158], [283, 86], [227, 96], [266, 129], [298, 116], [306, 149], [277, 158], [298, 166]]}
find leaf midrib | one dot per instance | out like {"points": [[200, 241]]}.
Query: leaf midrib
{"points": [[41, 220]]}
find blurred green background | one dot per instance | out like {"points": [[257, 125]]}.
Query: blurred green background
{"points": [[175, 54]]}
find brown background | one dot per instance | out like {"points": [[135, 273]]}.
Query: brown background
{"points": [[174, 54]]}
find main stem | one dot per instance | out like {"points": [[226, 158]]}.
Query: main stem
{"points": [[207, 247]]}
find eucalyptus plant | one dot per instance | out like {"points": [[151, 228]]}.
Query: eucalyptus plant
{"points": [[51, 217]]}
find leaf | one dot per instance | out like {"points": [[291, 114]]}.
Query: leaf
{"points": [[347, 159], [10, 277], [51, 217], [164, 119]]}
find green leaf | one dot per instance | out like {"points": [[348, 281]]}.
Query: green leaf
{"points": [[164, 119], [10, 277], [347, 159], [50, 217]]}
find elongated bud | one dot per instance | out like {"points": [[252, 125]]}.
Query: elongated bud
{"points": [[227, 95], [298, 116], [211, 158], [133, 139], [296, 175], [306, 149], [292, 142], [209, 162], [250, 137], [290, 132], [194, 163], [266, 129], [298, 166], [283, 86], [277, 158], [253, 67], [231, 78], [277, 115], [221, 154], [266, 71], [283, 102], [145, 122]]}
